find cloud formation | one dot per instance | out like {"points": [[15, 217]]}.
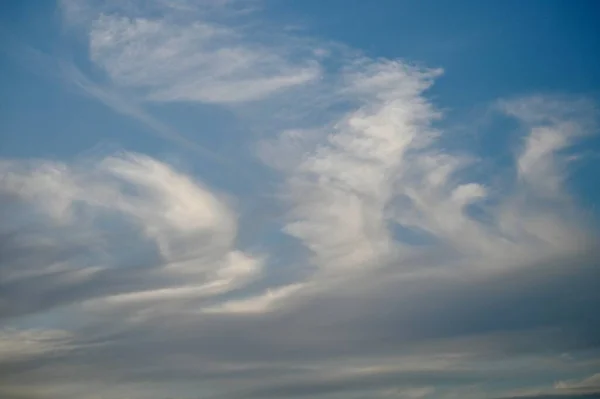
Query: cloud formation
{"points": [[185, 55], [179, 235], [122, 276]]}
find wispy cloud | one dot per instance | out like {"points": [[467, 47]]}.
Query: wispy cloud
{"points": [[200, 62], [67, 73], [176, 57], [382, 168], [411, 278], [183, 246], [589, 384]]}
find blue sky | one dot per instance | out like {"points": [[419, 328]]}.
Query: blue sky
{"points": [[277, 199]]}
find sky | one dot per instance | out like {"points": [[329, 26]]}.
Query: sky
{"points": [[273, 199]]}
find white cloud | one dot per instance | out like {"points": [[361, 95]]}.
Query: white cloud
{"points": [[184, 51], [146, 260], [383, 165], [271, 299], [141, 267], [199, 61], [554, 124], [128, 106], [183, 230], [15, 344], [589, 384], [340, 191]]}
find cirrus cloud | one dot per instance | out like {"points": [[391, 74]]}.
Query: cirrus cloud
{"points": [[122, 276]]}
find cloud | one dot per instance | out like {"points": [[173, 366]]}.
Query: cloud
{"points": [[257, 304], [128, 106], [144, 259], [25, 344], [144, 53], [176, 58], [587, 385], [382, 169], [69, 74], [344, 186], [555, 124], [65, 225], [413, 277], [200, 62]]}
